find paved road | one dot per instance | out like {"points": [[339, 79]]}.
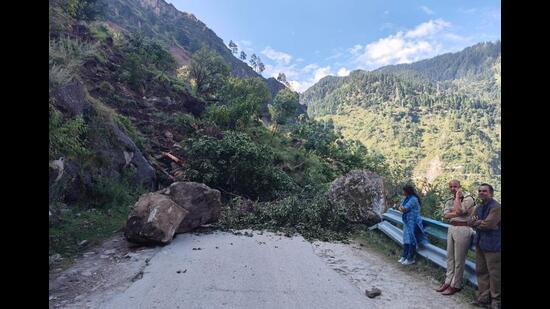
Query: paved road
{"points": [[263, 271], [237, 271]]}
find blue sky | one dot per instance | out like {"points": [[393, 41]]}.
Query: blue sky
{"points": [[309, 39]]}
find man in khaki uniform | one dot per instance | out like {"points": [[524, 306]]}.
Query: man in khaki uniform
{"points": [[458, 210]]}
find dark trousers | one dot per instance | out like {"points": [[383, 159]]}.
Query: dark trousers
{"points": [[408, 251]]}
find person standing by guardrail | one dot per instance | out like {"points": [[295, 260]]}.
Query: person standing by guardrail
{"points": [[457, 210], [412, 225], [486, 222]]}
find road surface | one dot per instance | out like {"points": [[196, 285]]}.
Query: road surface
{"points": [[248, 269]]}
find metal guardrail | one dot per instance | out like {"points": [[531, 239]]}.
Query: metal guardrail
{"points": [[432, 227]]}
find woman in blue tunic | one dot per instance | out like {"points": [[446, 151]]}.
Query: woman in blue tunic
{"points": [[413, 230]]}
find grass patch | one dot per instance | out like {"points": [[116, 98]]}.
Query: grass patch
{"points": [[104, 213], [78, 224]]}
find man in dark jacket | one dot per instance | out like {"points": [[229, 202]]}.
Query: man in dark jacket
{"points": [[486, 222]]}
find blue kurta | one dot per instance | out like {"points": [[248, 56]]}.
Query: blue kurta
{"points": [[412, 222]]}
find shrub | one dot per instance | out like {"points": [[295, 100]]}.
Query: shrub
{"points": [[308, 213], [67, 136], [236, 164]]}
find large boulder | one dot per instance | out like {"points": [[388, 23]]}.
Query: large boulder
{"points": [[361, 194], [70, 99], [180, 208], [154, 219], [202, 202]]}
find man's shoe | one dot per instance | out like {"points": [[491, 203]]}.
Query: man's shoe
{"points": [[480, 304], [408, 262], [443, 287], [450, 291], [401, 260]]}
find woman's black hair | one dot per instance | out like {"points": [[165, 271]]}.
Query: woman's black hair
{"points": [[409, 189]]}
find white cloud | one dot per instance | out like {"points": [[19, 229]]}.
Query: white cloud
{"points": [[355, 49], [320, 73], [335, 56], [395, 49], [298, 86], [428, 28], [310, 67], [422, 41], [277, 56], [343, 72], [308, 78], [299, 78], [427, 10]]}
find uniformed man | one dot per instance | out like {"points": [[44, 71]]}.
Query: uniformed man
{"points": [[486, 222], [457, 210]]}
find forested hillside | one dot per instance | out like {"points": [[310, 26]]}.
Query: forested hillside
{"points": [[437, 118]]}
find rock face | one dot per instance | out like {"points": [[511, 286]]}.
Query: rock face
{"points": [[362, 194], [130, 154], [154, 219], [70, 99], [181, 207], [202, 202]]}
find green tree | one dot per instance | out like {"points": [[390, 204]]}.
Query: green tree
{"points": [[207, 73], [261, 67], [239, 103], [254, 61], [282, 78], [234, 47], [243, 55], [283, 107]]}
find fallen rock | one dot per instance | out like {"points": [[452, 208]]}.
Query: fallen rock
{"points": [[361, 194], [245, 206], [202, 203], [70, 98], [154, 219], [373, 293], [55, 258]]}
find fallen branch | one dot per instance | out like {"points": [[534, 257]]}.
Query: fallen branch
{"points": [[173, 158], [163, 171]]}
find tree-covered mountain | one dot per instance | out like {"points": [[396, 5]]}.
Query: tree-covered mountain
{"points": [[439, 117], [474, 62]]}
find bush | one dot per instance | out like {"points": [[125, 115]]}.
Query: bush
{"points": [[84, 9], [308, 213], [236, 164], [65, 58], [59, 75], [106, 193], [145, 59], [239, 103], [67, 137], [70, 52]]}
